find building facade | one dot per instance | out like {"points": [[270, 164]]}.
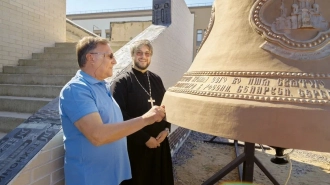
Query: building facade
{"points": [[99, 23]]}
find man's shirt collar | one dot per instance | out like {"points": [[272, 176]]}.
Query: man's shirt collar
{"points": [[88, 78]]}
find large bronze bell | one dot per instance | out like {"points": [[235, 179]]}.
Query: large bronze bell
{"points": [[262, 75]]}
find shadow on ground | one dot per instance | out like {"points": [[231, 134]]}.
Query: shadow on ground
{"points": [[196, 161]]}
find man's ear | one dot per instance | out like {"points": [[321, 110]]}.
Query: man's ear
{"points": [[89, 57]]}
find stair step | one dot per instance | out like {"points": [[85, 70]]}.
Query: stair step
{"points": [[44, 91], [34, 79], [22, 104], [10, 120], [55, 56], [21, 87], [60, 50], [48, 63], [19, 115], [65, 44], [39, 70]]}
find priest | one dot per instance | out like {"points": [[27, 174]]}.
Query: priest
{"points": [[136, 91]]}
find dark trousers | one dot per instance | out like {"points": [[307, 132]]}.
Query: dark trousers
{"points": [[126, 182]]}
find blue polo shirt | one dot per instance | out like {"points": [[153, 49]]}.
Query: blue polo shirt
{"points": [[86, 164]]}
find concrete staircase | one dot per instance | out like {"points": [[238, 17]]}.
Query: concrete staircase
{"points": [[26, 88]]}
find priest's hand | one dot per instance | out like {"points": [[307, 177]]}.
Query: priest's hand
{"points": [[155, 114], [161, 136], [152, 143]]}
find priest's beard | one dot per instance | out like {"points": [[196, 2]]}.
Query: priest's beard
{"points": [[141, 67]]}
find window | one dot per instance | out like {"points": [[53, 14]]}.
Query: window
{"points": [[107, 34], [199, 37]]}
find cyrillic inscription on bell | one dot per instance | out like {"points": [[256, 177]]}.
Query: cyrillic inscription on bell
{"points": [[263, 87]]}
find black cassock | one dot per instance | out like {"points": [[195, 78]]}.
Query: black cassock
{"points": [[150, 166]]}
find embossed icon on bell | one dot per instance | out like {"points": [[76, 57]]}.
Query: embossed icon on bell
{"points": [[299, 30]]}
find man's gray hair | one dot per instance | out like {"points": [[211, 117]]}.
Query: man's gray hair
{"points": [[87, 44]]}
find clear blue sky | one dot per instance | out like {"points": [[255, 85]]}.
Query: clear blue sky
{"points": [[98, 5]]}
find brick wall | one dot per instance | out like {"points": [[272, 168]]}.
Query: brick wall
{"points": [[46, 168], [27, 26]]}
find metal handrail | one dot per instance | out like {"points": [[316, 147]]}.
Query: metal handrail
{"points": [[132, 9]]}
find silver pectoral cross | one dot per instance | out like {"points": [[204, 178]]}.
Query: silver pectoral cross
{"points": [[151, 101]]}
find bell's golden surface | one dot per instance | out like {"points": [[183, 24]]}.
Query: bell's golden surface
{"points": [[262, 75]]}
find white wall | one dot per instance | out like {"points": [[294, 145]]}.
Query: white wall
{"points": [[27, 26], [173, 53], [104, 24], [173, 46]]}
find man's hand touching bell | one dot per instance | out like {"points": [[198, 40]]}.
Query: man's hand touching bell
{"points": [[155, 114]]}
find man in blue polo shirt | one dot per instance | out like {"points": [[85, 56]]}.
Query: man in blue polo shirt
{"points": [[93, 126]]}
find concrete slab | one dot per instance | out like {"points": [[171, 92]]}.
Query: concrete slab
{"points": [[2, 134]]}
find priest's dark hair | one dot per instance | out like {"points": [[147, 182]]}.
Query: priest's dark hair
{"points": [[87, 44], [137, 44]]}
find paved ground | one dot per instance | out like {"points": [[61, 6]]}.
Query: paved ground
{"points": [[197, 161]]}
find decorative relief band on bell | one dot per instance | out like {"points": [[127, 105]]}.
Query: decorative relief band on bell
{"points": [[258, 73], [280, 89], [297, 55]]}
